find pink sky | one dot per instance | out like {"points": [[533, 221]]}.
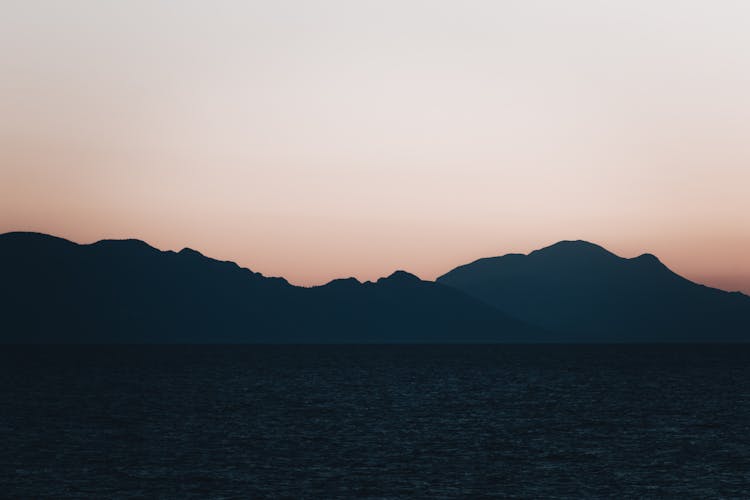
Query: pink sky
{"points": [[322, 139]]}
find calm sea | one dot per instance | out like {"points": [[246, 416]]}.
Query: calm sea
{"points": [[375, 421]]}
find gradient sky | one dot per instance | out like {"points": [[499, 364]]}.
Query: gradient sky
{"points": [[322, 139]]}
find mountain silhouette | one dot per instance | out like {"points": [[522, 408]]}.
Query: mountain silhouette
{"points": [[586, 293], [125, 291]]}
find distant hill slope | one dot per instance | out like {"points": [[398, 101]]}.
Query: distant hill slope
{"points": [[125, 291], [585, 292]]}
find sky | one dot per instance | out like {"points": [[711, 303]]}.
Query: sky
{"points": [[321, 139]]}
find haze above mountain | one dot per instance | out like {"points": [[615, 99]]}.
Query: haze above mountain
{"points": [[125, 291]]}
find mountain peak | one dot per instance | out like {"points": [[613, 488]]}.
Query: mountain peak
{"points": [[648, 257], [343, 283], [125, 244], [31, 236], [190, 252], [569, 248], [400, 277]]}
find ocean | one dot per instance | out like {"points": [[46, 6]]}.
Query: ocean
{"points": [[397, 421]]}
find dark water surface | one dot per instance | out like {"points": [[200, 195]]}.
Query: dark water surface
{"points": [[375, 421]]}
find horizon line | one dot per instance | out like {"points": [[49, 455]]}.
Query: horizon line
{"points": [[186, 248]]}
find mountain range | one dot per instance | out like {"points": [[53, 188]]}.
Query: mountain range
{"points": [[125, 291]]}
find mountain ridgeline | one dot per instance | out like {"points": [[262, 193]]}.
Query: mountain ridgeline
{"points": [[125, 291], [585, 293]]}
